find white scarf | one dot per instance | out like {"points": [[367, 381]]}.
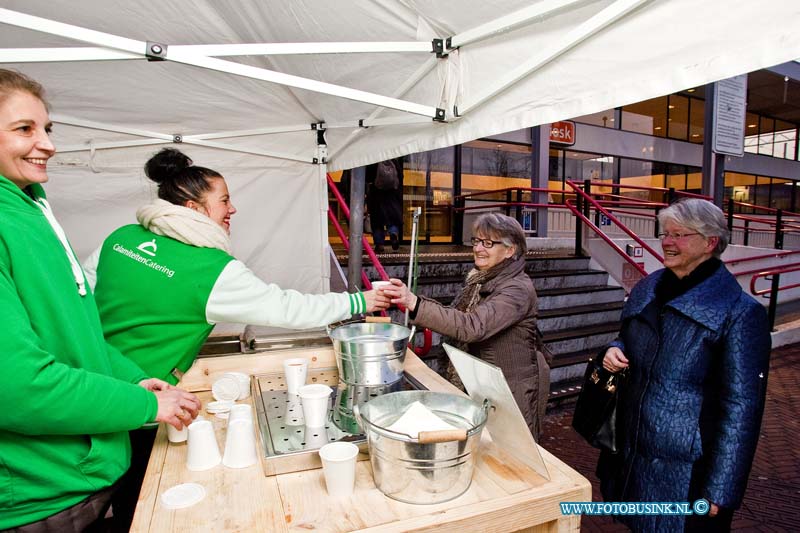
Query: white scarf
{"points": [[183, 224]]}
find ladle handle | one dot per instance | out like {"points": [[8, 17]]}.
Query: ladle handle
{"points": [[443, 435], [378, 319]]}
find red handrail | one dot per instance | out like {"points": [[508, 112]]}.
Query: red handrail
{"points": [[365, 243], [794, 267], [427, 335], [757, 257], [506, 189], [346, 243], [764, 208], [614, 219], [605, 237]]}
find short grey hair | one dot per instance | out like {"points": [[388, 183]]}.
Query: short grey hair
{"points": [[701, 216], [502, 228]]}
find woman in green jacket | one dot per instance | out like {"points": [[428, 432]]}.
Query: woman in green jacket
{"points": [[163, 284], [69, 397]]}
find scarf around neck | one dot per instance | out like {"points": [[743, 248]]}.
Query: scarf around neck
{"points": [[183, 224], [477, 279]]}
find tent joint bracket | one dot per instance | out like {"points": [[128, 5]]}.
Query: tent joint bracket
{"points": [[177, 138], [437, 47], [439, 115], [156, 51]]}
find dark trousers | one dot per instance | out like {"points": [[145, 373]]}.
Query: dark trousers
{"points": [[123, 504], [83, 517]]}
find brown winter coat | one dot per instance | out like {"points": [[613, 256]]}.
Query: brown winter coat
{"points": [[501, 330]]}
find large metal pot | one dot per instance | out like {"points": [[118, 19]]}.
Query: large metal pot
{"points": [[370, 354], [433, 467]]}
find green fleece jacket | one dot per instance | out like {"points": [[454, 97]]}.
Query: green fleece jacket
{"points": [[68, 398]]}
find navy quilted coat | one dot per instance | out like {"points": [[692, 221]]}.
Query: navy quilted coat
{"points": [[691, 411]]}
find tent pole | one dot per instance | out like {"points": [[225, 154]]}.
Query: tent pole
{"points": [[403, 89], [357, 190], [183, 56], [512, 21]]}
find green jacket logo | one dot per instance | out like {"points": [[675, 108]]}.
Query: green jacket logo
{"points": [[146, 246]]}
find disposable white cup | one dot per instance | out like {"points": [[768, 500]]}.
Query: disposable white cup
{"points": [[202, 452], [240, 411], [240, 444], [295, 370], [244, 383], [339, 467], [294, 411], [177, 435], [380, 285], [314, 398]]}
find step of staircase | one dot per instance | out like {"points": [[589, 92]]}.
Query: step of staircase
{"points": [[576, 296], [571, 340], [556, 279], [578, 316]]}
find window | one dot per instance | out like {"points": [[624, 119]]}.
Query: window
{"points": [[678, 117], [603, 118], [648, 117], [697, 112]]}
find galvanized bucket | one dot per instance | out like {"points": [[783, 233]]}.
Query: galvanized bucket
{"points": [[436, 466], [370, 354]]}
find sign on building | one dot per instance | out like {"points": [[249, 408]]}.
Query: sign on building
{"points": [[730, 104], [562, 132]]}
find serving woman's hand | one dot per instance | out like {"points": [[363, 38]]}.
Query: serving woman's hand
{"points": [[155, 384], [177, 407], [399, 294], [376, 300], [614, 360]]}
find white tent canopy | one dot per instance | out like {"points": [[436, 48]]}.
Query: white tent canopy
{"points": [[244, 83]]}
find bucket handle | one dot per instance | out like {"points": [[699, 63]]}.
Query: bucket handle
{"points": [[443, 435], [424, 437], [378, 319]]}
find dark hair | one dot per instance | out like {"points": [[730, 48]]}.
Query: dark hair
{"points": [[178, 179], [502, 228], [11, 81]]}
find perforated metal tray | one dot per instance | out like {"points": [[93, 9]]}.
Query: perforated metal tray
{"points": [[287, 445]]}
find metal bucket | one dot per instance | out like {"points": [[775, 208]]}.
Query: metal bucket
{"points": [[348, 396], [370, 354], [428, 469]]}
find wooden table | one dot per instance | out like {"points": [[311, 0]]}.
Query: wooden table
{"points": [[505, 495]]}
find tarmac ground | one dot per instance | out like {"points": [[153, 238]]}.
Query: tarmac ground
{"points": [[772, 500]]}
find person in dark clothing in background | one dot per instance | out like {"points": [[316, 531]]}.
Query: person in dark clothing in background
{"points": [[384, 185]]}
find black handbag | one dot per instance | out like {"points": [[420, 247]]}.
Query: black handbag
{"points": [[595, 417]]}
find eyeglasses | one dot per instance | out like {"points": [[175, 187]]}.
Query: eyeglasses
{"points": [[487, 243], [676, 236]]}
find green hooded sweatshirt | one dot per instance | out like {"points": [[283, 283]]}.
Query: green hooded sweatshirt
{"points": [[68, 398]]}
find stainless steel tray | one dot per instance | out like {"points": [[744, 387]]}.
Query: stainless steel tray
{"points": [[286, 444]]}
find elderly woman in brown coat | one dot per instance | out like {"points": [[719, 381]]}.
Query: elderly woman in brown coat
{"points": [[494, 315]]}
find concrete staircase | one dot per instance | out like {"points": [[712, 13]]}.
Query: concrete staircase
{"points": [[578, 311]]}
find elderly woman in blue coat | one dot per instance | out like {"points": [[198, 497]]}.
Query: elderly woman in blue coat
{"points": [[697, 348]]}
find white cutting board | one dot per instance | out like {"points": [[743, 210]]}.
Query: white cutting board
{"points": [[506, 425]]}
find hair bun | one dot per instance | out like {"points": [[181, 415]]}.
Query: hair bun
{"points": [[166, 164]]}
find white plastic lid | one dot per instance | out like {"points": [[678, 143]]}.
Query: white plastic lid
{"points": [[225, 388], [184, 495]]}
